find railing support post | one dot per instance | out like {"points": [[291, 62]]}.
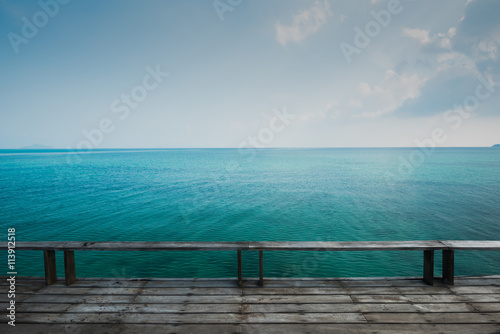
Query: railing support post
{"points": [[69, 267], [261, 268], [240, 278], [49, 260], [448, 267], [429, 267]]}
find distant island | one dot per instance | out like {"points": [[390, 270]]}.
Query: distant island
{"points": [[496, 145], [36, 147]]}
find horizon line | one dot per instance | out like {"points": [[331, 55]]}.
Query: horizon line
{"points": [[246, 148]]}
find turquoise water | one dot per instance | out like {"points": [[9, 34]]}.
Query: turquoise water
{"points": [[252, 195]]}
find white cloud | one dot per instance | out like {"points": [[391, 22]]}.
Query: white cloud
{"points": [[304, 23], [455, 60], [330, 110], [365, 90], [489, 49], [389, 94], [421, 35]]}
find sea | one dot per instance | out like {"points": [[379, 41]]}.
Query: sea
{"points": [[287, 194]]}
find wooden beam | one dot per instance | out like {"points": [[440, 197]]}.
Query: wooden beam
{"points": [[240, 278], [261, 268], [69, 267], [470, 244], [448, 267], [129, 246], [265, 245], [346, 245], [429, 267], [49, 260]]}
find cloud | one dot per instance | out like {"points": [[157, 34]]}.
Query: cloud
{"points": [[437, 41], [365, 90], [478, 34], [421, 35], [304, 23], [389, 94], [458, 58]]}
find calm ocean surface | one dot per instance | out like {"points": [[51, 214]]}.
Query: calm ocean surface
{"points": [[268, 194]]}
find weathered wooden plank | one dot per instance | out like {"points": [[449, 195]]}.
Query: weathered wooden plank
{"points": [[224, 299], [478, 280], [398, 298], [287, 281], [128, 246], [356, 308], [144, 291], [204, 318], [347, 246], [487, 307], [138, 283], [368, 328], [351, 291], [265, 245], [472, 244], [165, 291], [452, 318], [223, 283], [244, 308], [475, 289], [40, 298], [127, 308], [5, 299], [463, 298], [293, 283], [385, 282], [477, 298], [254, 328], [253, 283], [120, 329]]}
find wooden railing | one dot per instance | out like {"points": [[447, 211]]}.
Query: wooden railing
{"points": [[428, 247]]}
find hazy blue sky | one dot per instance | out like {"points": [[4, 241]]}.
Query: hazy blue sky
{"points": [[70, 68]]}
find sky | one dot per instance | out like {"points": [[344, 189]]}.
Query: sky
{"points": [[240, 73]]}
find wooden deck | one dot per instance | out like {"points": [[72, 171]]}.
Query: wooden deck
{"points": [[147, 306]]}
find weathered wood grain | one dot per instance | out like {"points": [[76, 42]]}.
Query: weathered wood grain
{"points": [[204, 318], [254, 328], [442, 318], [247, 308], [285, 306], [259, 245]]}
